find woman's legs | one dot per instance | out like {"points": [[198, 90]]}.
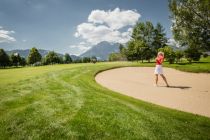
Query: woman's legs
{"points": [[156, 79], [164, 78]]}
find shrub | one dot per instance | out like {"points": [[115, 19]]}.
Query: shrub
{"points": [[205, 55], [192, 54], [179, 54]]}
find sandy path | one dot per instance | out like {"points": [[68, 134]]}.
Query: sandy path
{"points": [[190, 92]]}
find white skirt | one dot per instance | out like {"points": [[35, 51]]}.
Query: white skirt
{"points": [[158, 69]]}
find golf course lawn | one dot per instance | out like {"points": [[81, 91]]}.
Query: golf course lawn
{"points": [[65, 102]]}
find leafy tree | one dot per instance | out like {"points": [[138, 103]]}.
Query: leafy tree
{"points": [[191, 24], [121, 47], [169, 54], [22, 61], [116, 57], [34, 56], [192, 54], [139, 50], [15, 59], [148, 53], [179, 54], [131, 53], [67, 58], [146, 40], [159, 37], [4, 58], [143, 32], [86, 60], [78, 61], [52, 58]]}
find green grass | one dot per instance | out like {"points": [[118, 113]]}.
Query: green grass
{"points": [[65, 102], [201, 66]]}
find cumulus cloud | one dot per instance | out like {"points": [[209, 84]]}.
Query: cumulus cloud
{"points": [[106, 26], [115, 19], [5, 36], [172, 42], [111, 26], [95, 34]]}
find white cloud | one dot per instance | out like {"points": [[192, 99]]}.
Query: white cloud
{"points": [[95, 34], [106, 26], [172, 42], [115, 19], [5, 36]]}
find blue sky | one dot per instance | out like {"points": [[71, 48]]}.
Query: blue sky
{"points": [[73, 26]]}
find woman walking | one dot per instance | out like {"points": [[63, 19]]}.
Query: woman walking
{"points": [[159, 69]]}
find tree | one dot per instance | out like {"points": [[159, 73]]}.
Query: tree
{"points": [[121, 47], [4, 58], [159, 37], [86, 60], [169, 54], [67, 58], [79, 60], [143, 32], [34, 56], [179, 54], [116, 57], [52, 58], [148, 53], [139, 49], [191, 22], [15, 59], [22, 61], [131, 53], [192, 54]]}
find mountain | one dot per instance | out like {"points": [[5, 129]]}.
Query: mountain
{"points": [[102, 50], [24, 53], [75, 57]]}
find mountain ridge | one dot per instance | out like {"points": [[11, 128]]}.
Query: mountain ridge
{"points": [[102, 50]]}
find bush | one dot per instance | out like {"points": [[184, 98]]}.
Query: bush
{"points": [[179, 54], [192, 54], [37, 64], [205, 55], [93, 59]]}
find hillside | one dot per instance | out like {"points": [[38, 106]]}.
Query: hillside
{"points": [[102, 50]]}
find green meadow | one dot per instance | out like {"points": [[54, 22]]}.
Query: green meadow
{"points": [[65, 102]]}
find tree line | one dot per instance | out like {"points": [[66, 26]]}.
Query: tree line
{"points": [[190, 28], [35, 59]]}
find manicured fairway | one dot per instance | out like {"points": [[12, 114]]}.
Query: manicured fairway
{"points": [[65, 102]]}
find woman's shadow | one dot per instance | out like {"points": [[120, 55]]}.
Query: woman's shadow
{"points": [[180, 87]]}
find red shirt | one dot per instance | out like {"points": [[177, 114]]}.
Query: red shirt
{"points": [[159, 60]]}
